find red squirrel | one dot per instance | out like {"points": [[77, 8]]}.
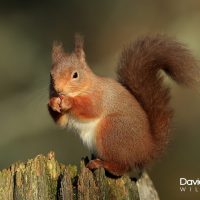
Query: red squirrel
{"points": [[124, 122]]}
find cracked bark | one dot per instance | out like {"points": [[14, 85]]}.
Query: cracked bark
{"points": [[44, 178]]}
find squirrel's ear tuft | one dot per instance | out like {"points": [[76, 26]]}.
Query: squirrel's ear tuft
{"points": [[57, 52], [79, 42]]}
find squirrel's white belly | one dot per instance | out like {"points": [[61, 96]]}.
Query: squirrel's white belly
{"points": [[86, 130]]}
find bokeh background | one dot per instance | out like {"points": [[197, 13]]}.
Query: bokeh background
{"points": [[27, 29]]}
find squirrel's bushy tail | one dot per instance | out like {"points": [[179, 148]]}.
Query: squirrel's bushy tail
{"points": [[139, 71]]}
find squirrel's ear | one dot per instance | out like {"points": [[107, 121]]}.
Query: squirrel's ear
{"points": [[79, 47], [57, 52]]}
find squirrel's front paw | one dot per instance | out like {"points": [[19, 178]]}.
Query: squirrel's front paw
{"points": [[54, 103], [66, 103]]}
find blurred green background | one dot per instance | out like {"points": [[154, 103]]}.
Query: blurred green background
{"points": [[27, 29]]}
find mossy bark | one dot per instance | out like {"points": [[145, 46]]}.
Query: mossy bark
{"points": [[43, 178]]}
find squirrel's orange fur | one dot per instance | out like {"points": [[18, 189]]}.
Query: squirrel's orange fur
{"points": [[125, 122]]}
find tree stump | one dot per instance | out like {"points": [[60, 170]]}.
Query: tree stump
{"points": [[44, 178]]}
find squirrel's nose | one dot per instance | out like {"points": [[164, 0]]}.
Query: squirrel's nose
{"points": [[59, 92]]}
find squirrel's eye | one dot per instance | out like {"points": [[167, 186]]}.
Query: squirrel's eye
{"points": [[75, 75]]}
